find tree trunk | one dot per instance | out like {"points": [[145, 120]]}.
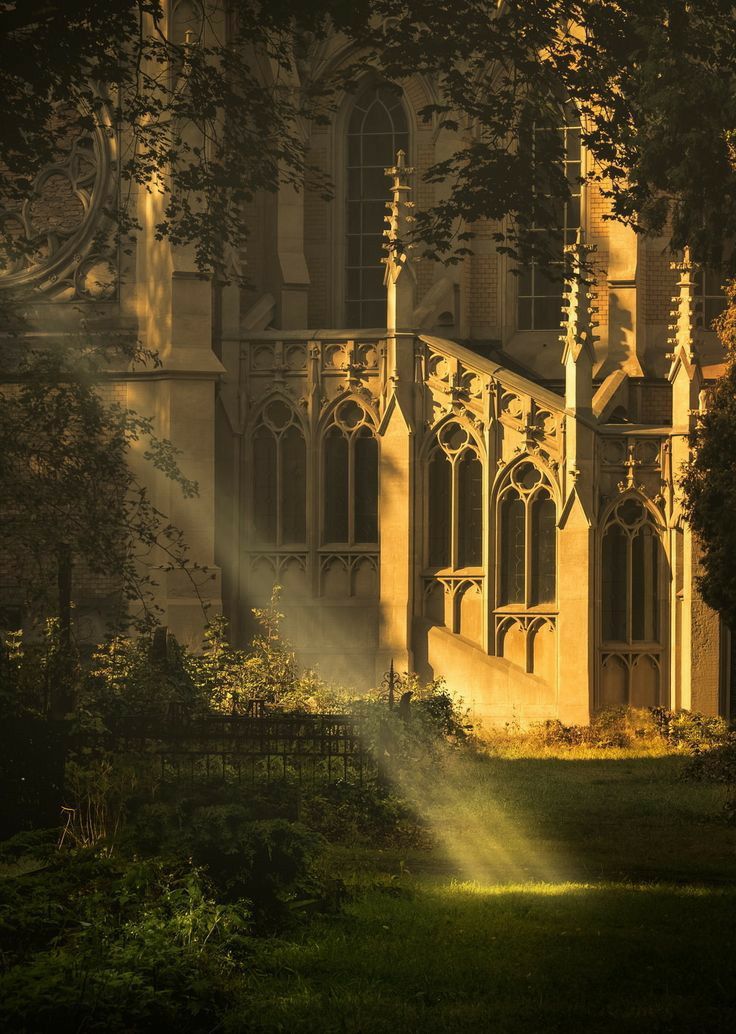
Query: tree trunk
{"points": [[60, 695]]}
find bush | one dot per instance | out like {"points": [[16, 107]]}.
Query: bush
{"points": [[268, 861], [371, 814], [428, 718], [656, 729], [690, 729], [91, 943]]}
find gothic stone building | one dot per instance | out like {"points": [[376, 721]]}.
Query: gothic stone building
{"points": [[442, 468]]}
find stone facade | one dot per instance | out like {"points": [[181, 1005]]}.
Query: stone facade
{"points": [[444, 490]]}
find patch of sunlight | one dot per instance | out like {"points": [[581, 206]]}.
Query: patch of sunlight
{"points": [[484, 843], [541, 889]]}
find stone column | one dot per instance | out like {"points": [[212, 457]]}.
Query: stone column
{"points": [[176, 320], [696, 632], [397, 438], [624, 344], [576, 586]]}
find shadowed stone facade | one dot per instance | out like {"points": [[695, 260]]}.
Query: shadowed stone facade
{"points": [[468, 479]]}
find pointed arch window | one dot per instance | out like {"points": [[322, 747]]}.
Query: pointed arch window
{"points": [[631, 564], [279, 484], [527, 544], [455, 500], [376, 131], [350, 478], [539, 294]]}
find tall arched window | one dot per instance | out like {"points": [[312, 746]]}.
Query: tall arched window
{"points": [[350, 478], [539, 294], [631, 572], [377, 130], [455, 503], [279, 486], [527, 549]]}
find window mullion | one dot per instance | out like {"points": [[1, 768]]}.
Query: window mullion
{"points": [[629, 588], [454, 513], [279, 492], [527, 552], [351, 490]]}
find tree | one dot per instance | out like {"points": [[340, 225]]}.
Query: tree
{"points": [[70, 496], [709, 483], [655, 84], [206, 109]]}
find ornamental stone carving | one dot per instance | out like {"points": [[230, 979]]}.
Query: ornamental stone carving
{"points": [[60, 228]]}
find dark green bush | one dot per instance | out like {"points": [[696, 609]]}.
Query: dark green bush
{"points": [[718, 765], [269, 862], [370, 814], [94, 943]]}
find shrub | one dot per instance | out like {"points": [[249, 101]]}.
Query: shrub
{"points": [[92, 943], [269, 861], [616, 728], [718, 764], [690, 728], [370, 814], [433, 719]]}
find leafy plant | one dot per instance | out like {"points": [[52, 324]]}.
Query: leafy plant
{"points": [[96, 944]]}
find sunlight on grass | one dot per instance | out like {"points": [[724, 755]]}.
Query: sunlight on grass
{"points": [[483, 842], [470, 888]]}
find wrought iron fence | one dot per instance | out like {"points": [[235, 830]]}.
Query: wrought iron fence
{"points": [[247, 748]]}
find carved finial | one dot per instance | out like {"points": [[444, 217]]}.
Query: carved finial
{"points": [[684, 314], [400, 300], [684, 373], [579, 324], [400, 209]]}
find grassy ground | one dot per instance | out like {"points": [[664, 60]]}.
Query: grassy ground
{"points": [[563, 894]]}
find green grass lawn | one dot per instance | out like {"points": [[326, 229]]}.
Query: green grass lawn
{"points": [[563, 894]]}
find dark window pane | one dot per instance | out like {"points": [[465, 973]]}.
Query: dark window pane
{"points": [[547, 282], [354, 284], [513, 532], [525, 280], [525, 314], [366, 487], [644, 595], [547, 313], [572, 145], [375, 185], [544, 546], [377, 119], [354, 151], [615, 584], [572, 216], [372, 285], [354, 217], [373, 314], [470, 511], [336, 488], [712, 308], [354, 244], [378, 149], [264, 487], [440, 504], [355, 181], [373, 250], [293, 487]]}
